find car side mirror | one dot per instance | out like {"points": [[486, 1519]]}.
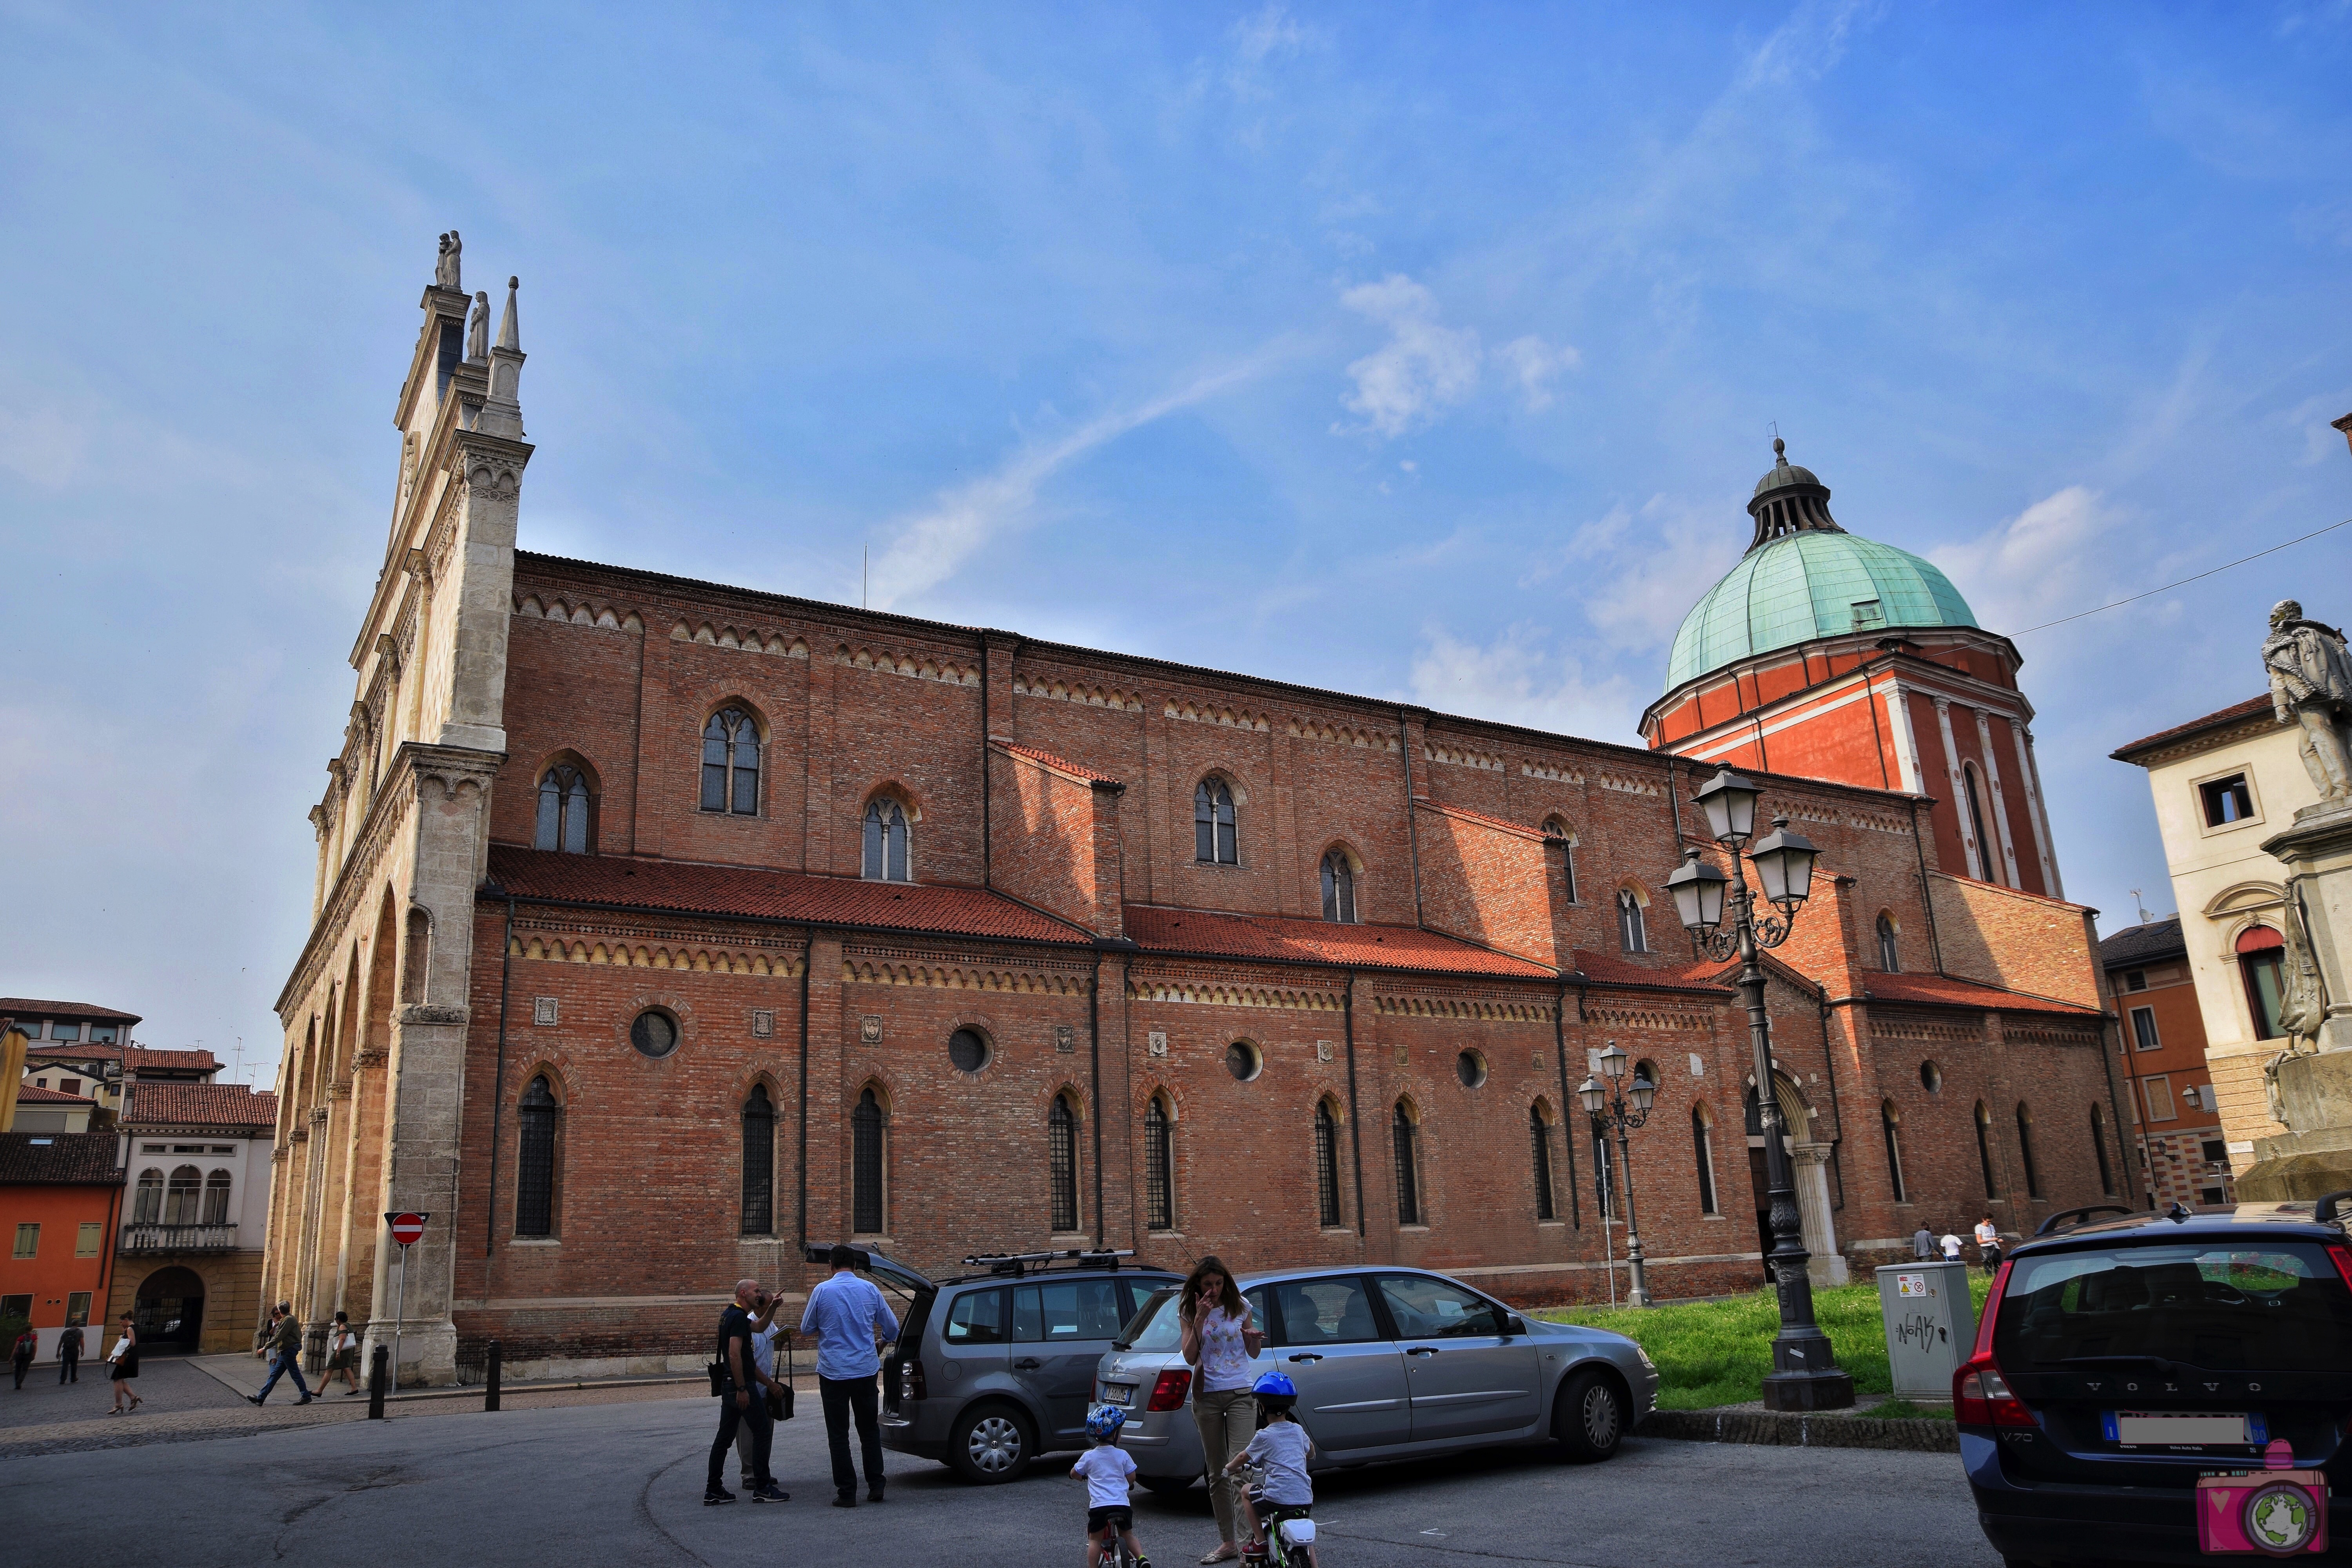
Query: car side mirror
{"points": [[1515, 1324]]}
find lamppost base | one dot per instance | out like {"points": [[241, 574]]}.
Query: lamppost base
{"points": [[1802, 1391]]}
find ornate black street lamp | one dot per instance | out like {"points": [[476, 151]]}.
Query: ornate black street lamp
{"points": [[1805, 1374], [1608, 1109]]}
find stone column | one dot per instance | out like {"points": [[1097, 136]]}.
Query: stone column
{"points": [[1907, 742], [1825, 1264], [2025, 772], [1980, 862], [2000, 804], [2312, 1091]]}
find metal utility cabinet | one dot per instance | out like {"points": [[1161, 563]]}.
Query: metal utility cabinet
{"points": [[1931, 1326]]}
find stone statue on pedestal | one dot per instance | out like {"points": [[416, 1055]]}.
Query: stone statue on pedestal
{"points": [[478, 333], [445, 274], [2311, 684]]}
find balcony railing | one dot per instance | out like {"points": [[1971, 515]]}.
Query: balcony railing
{"points": [[179, 1238]]}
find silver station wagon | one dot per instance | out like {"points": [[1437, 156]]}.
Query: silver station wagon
{"points": [[1391, 1364]]}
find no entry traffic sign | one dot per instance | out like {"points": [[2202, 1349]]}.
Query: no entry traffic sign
{"points": [[406, 1228]]}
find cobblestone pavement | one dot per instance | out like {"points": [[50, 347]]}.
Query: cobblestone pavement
{"points": [[620, 1481]]}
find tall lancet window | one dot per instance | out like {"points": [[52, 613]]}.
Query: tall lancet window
{"points": [[563, 810], [730, 764], [885, 842]]}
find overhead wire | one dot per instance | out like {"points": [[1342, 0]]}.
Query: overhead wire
{"points": [[2257, 555]]}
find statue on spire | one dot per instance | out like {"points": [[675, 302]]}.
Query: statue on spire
{"points": [[478, 333], [445, 274]]}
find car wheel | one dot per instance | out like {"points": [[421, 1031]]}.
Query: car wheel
{"points": [[990, 1444], [1589, 1417], [1168, 1486]]}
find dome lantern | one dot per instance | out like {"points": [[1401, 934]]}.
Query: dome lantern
{"points": [[1788, 499]]}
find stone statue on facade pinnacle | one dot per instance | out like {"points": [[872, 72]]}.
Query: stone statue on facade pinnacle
{"points": [[478, 333], [445, 274], [2311, 684]]}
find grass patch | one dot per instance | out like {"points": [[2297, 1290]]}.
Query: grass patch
{"points": [[1718, 1353]]}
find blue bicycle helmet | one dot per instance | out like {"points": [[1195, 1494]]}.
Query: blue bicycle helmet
{"points": [[1105, 1420], [1274, 1385]]}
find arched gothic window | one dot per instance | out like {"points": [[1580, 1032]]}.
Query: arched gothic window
{"points": [[2025, 1150], [1158, 1166], [2099, 1144], [1215, 841], [1633, 932], [215, 1198], [183, 1196], [1703, 1150], [1555, 829], [730, 764], [1539, 1143], [1062, 1158], [866, 1166], [1890, 1123], [1977, 821], [1984, 1149], [1327, 1165], [885, 859], [2259, 950], [758, 1163], [1405, 1133], [1889, 959], [1339, 888], [535, 1159], [147, 1203], [563, 810]]}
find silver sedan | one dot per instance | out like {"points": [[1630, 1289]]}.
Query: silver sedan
{"points": [[1391, 1364]]}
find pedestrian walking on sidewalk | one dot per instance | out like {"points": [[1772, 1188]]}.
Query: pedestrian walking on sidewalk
{"points": [[764, 1332], [851, 1322], [22, 1353], [285, 1349], [742, 1401], [1989, 1243], [343, 1356], [122, 1365], [1923, 1242], [69, 1354]]}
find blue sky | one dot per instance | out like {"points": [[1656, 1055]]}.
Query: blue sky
{"points": [[1425, 352]]}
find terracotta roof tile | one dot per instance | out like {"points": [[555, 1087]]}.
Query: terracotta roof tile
{"points": [[1157, 929], [748, 892], [2137, 944], [1944, 991], [65, 1052], [28, 1007], [1603, 969], [58, 1160], [34, 1094], [138, 1057], [201, 1105], [1061, 763], [2230, 715]]}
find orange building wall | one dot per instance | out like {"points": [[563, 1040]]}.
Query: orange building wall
{"points": [[54, 1273]]}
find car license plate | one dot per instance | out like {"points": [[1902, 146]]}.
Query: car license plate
{"points": [[1119, 1394], [2184, 1429]]}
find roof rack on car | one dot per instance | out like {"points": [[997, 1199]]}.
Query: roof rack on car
{"points": [[1019, 1263], [2067, 1219], [2329, 1210]]}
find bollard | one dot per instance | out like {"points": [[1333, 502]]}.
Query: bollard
{"points": [[379, 1375], [491, 1396]]}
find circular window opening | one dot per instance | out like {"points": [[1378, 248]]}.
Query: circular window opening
{"points": [[1471, 1069], [1242, 1060], [1931, 1077], [968, 1049], [655, 1033]]}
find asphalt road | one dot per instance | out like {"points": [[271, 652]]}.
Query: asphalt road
{"points": [[623, 1483]]}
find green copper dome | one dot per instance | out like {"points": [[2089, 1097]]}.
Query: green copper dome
{"points": [[1803, 578]]}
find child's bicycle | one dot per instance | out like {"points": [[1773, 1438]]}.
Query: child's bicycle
{"points": [[1289, 1532], [1111, 1552]]}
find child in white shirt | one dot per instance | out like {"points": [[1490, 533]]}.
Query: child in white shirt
{"points": [[1106, 1468], [1281, 1449]]}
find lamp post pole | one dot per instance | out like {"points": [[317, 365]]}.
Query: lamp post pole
{"points": [[1608, 1109], [1805, 1374]]}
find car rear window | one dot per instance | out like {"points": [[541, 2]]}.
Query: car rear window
{"points": [[2280, 1307], [1156, 1328]]}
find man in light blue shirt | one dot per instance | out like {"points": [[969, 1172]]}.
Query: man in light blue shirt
{"points": [[851, 1322]]}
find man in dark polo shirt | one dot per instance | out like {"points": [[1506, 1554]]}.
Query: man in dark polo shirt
{"points": [[742, 1400]]}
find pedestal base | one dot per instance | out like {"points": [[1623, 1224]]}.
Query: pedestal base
{"points": [[2299, 1166], [1832, 1390]]}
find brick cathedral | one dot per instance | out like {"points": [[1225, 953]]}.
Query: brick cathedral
{"points": [[660, 926]]}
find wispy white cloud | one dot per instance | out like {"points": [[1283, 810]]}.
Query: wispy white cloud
{"points": [[1535, 364], [2054, 558], [41, 446], [1519, 678], [929, 548], [1424, 368]]}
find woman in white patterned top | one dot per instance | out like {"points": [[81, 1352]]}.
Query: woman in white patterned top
{"points": [[1220, 1344]]}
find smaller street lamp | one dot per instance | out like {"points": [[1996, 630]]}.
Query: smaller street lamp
{"points": [[1608, 1109]]}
